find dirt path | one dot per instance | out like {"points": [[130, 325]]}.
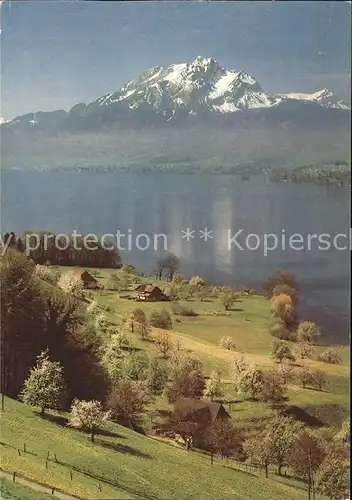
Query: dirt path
{"points": [[36, 486]]}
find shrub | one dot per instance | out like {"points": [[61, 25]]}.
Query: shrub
{"points": [[310, 378], [112, 356], [135, 366], [71, 284], [304, 376], [330, 356], [307, 332], [282, 307], [93, 308], [128, 268], [119, 282], [280, 277], [344, 433], [284, 372], [286, 290], [213, 387], [137, 317], [127, 402], [101, 322], [217, 313], [227, 343], [304, 349], [333, 477], [278, 328], [178, 278], [179, 310], [228, 298], [174, 292], [46, 274], [161, 319], [319, 380], [188, 384], [197, 282], [282, 351], [223, 439], [157, 376], [273, 389]]}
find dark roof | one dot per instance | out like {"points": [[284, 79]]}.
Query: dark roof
{"points": [[79, 271], [187, 406], [148, 288]]}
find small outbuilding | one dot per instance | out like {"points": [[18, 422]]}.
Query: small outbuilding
{"points": [[88, 280]]}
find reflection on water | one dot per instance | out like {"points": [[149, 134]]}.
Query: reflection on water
{"points": [[103, 203]]}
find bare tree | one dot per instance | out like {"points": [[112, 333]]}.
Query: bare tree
{"points": [[167, 267], [164, 344]]}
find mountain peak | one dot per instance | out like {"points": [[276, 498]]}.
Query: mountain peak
{"points": [[200, 87], [204, 61]]}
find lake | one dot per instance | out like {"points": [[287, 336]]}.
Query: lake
{"points": [[213, 208]]}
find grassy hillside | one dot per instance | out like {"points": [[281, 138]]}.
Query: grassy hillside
{"points": [[140, 466], [248, 325], [14, 491], [124, 464]]}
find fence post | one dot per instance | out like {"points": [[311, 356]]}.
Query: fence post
{"points": [[46, 464], [52, 491], [24, 447], [71, 477], [19, 452], [47, 455], [55, 457], [14, 477]]}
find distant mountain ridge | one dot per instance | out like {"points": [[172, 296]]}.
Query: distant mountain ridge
{"points": [[195, 116], [200, 89]]}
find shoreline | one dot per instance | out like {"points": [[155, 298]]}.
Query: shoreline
{"points": [[268, 175]]}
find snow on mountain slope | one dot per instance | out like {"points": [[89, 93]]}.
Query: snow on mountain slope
{"points": [[202, 86], [199, 88], [323, 97]]}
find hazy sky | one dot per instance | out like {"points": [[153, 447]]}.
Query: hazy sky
{"points": [[55, 54]]}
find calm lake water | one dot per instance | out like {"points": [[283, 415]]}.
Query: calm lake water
{"points": [[106, 202]]}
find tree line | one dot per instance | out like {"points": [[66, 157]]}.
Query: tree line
{"points": [[35, 316], [45, 247], [336, 173]]}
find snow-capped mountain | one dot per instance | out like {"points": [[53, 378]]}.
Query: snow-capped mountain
{"points": [[323, 97], [202, 86], [198, 89], [194, 87]]}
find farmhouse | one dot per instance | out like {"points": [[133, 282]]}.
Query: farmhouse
{"points": [[198, 410], [88, 280], [149, 293]]}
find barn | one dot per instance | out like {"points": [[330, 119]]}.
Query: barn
{"points": [[88, 280], [149, 293], [189, 409]]}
